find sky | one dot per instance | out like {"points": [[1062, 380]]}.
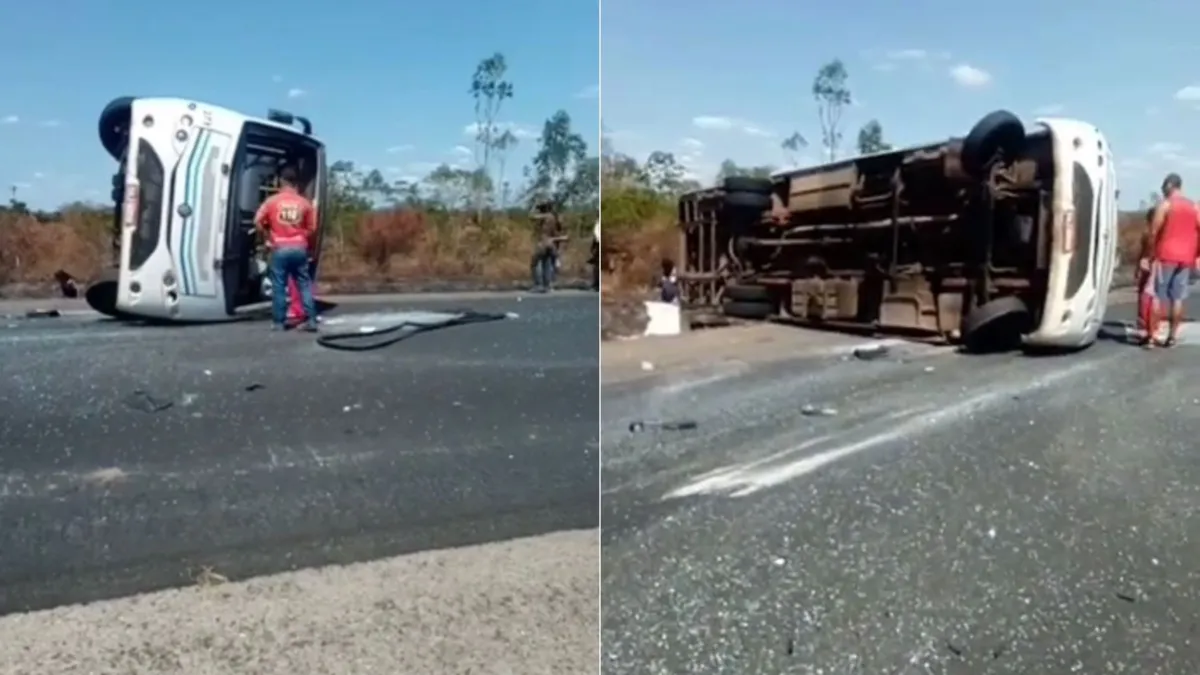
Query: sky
{"points": [[385, 83], [709, 80]]}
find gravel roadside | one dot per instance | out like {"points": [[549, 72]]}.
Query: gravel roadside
{"points": [[527, 606]]}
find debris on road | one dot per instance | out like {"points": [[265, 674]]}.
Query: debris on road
{"points": [[813, 411], [43, 314], [647, 366], [680, 425], [871, 352], [254, 387], [146, 402]]}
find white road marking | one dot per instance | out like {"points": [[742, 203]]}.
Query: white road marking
{"points": [[741, 480]]}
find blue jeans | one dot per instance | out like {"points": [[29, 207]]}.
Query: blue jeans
{"points": [[1171, 282], [543, 266], [291, 263]]}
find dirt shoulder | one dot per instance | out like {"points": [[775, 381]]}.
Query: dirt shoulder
{"points": [[528, 606]]}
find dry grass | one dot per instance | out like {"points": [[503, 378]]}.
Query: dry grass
{"points": [[367, 252]]}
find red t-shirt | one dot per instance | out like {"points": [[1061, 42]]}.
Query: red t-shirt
{"points": [[289, 219], [1179, 239]]}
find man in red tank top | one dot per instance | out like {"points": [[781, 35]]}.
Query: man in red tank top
{"points": [[1175, 231], [288, 220]]}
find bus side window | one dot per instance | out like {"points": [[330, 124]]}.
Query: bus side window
{"points": [[249, 187]]}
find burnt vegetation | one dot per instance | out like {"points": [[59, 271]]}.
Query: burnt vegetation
{"points": [[459, 223]]}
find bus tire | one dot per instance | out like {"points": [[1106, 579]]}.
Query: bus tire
{"points": [[999, 132], [747, 201], [758, 186], [747, 310], [996, 325], [101, 296], [747, 293]]}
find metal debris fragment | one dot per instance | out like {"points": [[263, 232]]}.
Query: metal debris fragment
{"points": [[680, 425], [871, 352], [144, 401], [814, 411]]}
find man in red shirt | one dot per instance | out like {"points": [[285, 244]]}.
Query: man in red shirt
{"points": [[1175, 231], [287, 219]]}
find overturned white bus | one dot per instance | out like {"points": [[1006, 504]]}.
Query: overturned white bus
{"points": [[190, 177], [1001, 237]]}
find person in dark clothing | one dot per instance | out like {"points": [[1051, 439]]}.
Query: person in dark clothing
{"points": [[668, 283], [549, 234], [66, 284]]}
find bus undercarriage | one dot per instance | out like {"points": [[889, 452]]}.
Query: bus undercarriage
{"points": [[946, 240]]}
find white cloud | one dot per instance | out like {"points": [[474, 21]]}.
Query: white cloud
{"points": [[907, 55], [462, 151], [1190, 94], [38, 175], [718, 123], [712, 122], [896, 58], [517, 130], [1051, 109], [277, 79], [969, 76], [692, 144], [10, 119], [22, 185], [592, 91], [296, 92], [399, 148], [50, 124]]}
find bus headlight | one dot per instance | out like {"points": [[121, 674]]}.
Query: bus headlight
{"points": [[186, 120], [181, 135]]}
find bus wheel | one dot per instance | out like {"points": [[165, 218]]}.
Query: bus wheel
{"points": [[747, 201], [996, 326], [747, 293], [758, 186], [756, 311], [1000, 132]]}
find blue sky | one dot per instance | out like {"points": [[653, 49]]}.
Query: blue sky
{"points": [[711, 79], [385, 83]]}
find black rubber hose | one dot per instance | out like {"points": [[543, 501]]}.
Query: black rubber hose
{"points": [[368, 340]]}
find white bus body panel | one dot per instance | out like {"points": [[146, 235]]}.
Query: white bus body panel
{"points": [[1075, 320], [181, 281]]}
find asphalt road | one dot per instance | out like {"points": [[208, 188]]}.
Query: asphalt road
{"points": [[946, 514], [277, 454]]}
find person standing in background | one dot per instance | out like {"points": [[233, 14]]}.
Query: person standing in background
{"points": [[549, 234], [1144, 279]]}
